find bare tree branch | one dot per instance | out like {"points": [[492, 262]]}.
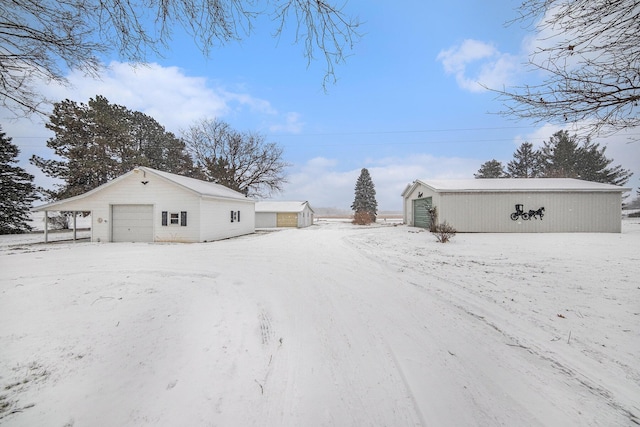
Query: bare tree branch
{"points": [[589, 53], [41, 40], [241, 161]]}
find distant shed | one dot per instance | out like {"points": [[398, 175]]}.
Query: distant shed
{"points": [[521, 205], [283, 214]]}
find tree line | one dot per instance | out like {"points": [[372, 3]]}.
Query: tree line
{"points": [[562, 156], [96, 142]]}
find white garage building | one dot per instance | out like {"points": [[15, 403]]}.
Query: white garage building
{"points": [[147, 205], [521, 205], [283, 214]]}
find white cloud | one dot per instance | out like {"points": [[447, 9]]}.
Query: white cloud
{"points": [[170, 96], [475, 63], [538, 136], [323, 184], [292, 124]]}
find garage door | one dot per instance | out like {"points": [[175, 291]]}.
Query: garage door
{"points": [[132, 223], [287, 220], [421, 215]]}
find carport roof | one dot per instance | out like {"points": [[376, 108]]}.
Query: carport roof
{"points": [[514, 184]]}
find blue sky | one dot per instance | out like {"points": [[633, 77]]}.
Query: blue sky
{"points": [[407, 104]]}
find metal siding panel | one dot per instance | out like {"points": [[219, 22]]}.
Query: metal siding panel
{"points": [[266, 220], [564, 212]]}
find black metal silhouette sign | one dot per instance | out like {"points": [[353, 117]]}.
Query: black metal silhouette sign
{"points": [[527, 215]]}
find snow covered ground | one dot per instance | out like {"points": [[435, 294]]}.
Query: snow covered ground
{"points": [[333, 325]]}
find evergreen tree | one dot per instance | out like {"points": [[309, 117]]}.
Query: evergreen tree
{"points": [[525, 163], [99, 141], [490, 169], [364, 203], [559, 156], [594, 166], [17, 191], [563, 157]]}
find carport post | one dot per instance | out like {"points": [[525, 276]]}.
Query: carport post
{"points": [[74, 225], [46, 226]]}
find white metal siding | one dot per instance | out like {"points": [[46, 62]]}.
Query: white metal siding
{"points": [[563, 212], [266, 220], [305, 218], [132, 223]]}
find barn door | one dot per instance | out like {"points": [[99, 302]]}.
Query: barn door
{"points": [[421, 215], [286, 219]]}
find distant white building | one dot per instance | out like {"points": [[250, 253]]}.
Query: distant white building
{"points": [[522, 205], [283, 214], [147, 205]]}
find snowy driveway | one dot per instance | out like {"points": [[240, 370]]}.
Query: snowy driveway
{"points": [[333, 325]]}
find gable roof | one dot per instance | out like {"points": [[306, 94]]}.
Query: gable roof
{"points": [[203, 188], [514, 185], [196, 186], [290, 206]]}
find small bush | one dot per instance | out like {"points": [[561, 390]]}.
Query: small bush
{"points": [[363, 218], [444, 232], [59, 222]]}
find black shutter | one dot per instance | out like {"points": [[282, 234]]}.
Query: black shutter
{"points": [[231, 216], [183, 219], [238, 216], [164, 218]]}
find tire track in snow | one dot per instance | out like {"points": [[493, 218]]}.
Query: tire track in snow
{"points": [[470, 307]]}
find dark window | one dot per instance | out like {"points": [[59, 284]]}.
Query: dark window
{"points": [[164, 217], [183, 218], [231, 216], [173, 218], [238, 216]]}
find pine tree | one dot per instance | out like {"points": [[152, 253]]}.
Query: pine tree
{"points": [[490, 169], [559, 156], [594, 166], [563, 157], [99, 141], [525, 163], [364, 203], [17, 191]]}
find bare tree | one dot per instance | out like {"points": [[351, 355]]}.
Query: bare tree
{"points": [[41, 40], [242, 161], [589, 51]]}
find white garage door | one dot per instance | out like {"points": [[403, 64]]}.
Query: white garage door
{"points": [[132, 223]]}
